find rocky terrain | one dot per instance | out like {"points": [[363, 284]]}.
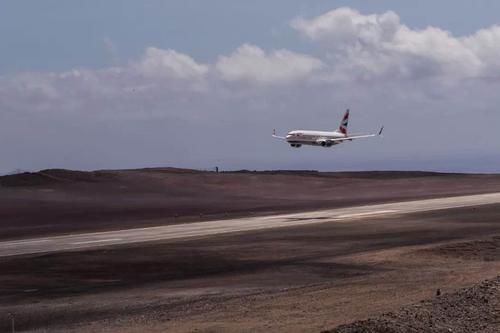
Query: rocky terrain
{"points": [[475, 309]]}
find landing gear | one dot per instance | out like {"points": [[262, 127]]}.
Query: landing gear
{"points": [[295, 145]]}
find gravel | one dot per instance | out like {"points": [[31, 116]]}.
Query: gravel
{"points": [[475, 309]]}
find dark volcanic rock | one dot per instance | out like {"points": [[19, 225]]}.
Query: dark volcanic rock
{"points": [[475, 309]]}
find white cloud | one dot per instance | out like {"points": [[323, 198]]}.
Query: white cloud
{"points": [[251, 63], [374, 48], [344, 26], [379, 46], [171, 64], [485, 45], [164, 76]]}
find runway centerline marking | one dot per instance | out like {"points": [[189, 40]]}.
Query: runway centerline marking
{"points": [[98, 241], [26, 242], [367, 214]]}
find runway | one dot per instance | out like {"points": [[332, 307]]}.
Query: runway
{"points": [[210, 228]]}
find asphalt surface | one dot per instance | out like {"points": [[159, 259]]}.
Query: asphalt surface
{"points": [[203, 229]]}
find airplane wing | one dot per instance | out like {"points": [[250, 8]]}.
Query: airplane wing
{"points": [[348, 138], [277, 136]]}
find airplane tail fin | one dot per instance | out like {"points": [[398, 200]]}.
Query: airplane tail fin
{"points": [[343, 124]]}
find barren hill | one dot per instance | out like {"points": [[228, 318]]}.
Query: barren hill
{"points": [[60, 201]]}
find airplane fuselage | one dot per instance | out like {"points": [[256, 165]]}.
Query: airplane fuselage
{"points": [[297, 138]]}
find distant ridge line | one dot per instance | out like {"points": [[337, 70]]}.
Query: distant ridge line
{"points": [[55, 176]]}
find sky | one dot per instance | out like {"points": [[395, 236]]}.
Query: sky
{"points": [[125, 84]]}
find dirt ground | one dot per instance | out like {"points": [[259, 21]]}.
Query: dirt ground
{"points": [[300, 279], [473, 309], [62, 201]]}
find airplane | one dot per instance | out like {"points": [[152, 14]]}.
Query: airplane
{"points": [[297, 138]]}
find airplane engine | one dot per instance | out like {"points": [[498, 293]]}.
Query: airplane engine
{"points": [[324, 143]]}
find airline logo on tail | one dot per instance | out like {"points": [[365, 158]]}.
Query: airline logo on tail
{"points": [[343, 124]]}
